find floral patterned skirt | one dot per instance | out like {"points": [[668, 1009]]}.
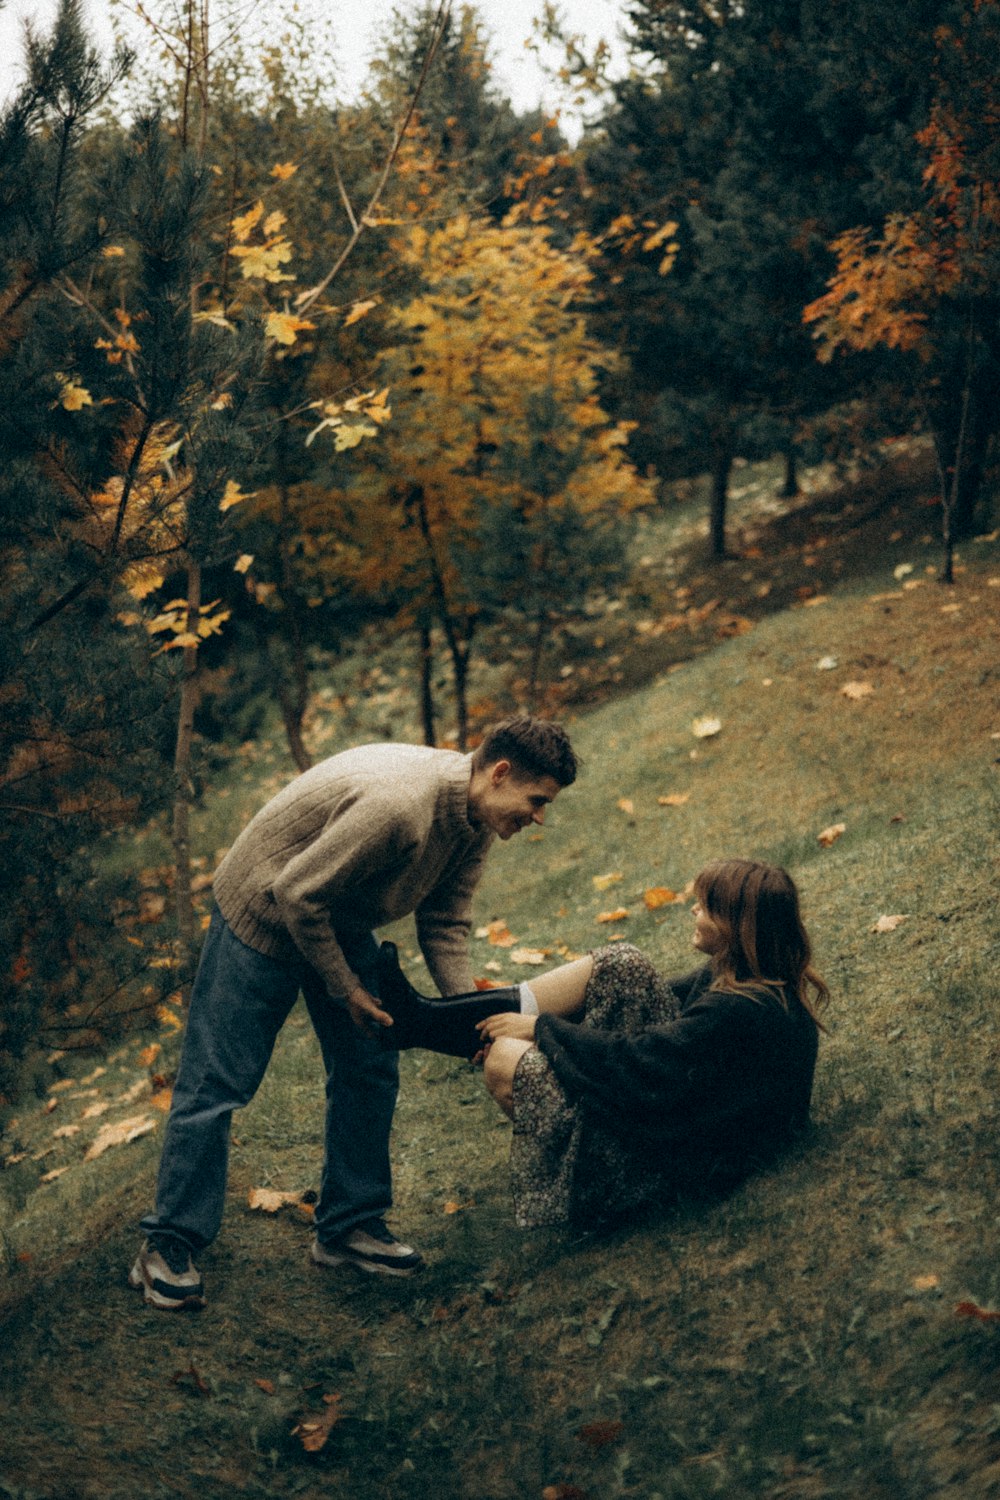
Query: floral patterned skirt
{"points": [[565, 1169]]}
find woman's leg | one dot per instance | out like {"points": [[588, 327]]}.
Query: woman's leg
{"points": [[560, 992], [498, 1070]]}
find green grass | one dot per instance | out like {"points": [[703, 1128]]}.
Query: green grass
{"points": [[798, 1339]]}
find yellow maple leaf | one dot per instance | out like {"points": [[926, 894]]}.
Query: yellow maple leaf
{"points": [[282, 170], [72, 395], [264, 261], [233, 495], [284, 328], [246, 222], [358, 311]]}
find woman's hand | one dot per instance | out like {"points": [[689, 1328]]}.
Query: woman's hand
{"points": [[508, 1023]]}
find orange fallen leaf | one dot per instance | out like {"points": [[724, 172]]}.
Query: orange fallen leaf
{"points": [[63, 1083], [148, 1055], [831, 835], [267, 1386], [674, 799], [270, 1200], [451, 1207], [313, 1433], [657, 896], [856, 690], [626, 805], [499, 934], [51, 1176], [162, 1099], [617, 915], [888, 924], [973, 1310]]}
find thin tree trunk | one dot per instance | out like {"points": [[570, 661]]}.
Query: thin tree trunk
{"points": [[183, 787], [535, 663], [790, 488], [720, 495], [427, 685]]}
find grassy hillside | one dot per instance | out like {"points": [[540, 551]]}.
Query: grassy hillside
{"points": [[797, 1340]]}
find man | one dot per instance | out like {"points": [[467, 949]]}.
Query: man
{"points": [[362, 839]]}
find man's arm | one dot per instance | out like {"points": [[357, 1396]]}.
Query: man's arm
{"points": [[444, 920]]}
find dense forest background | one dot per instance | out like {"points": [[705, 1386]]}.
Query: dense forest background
{"points": [[286, 379]]}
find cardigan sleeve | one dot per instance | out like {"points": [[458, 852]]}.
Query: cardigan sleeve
{"points": [[731, 1058]]}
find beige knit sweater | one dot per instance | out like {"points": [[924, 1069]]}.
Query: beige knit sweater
{"points": [[361, 839]]}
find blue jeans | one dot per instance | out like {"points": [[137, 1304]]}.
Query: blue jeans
{"points": [[239, 1002]]}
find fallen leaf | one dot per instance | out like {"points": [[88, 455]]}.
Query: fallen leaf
{"points": [[148, 1055], [925, 1283], [973, 1310], [313, 1433], [51, 1176], [827, 664], [617, 915], [901, 570], [162, 1100], [856, 690], [267, 1386], [529, 955], [65, 1131], [657, 896], [93, 1077], [451, 1207], [888, 924], [627, 806], [603, 882], [49, 1106], [563, 1492], [704, 729], [270, 1200], [831, 835], [64, 1083], [93, 1110], [499, 934], [598, 1435], [200, 1385], [674, 799], [120, 1134]]}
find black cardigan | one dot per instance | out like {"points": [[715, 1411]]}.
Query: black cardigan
{"points": [[731, 1078]]}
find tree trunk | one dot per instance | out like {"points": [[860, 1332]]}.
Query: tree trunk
{"points": [[535, 664], [427, 685], [790, 488], [183, 786], [460, 653], [720, 495]]}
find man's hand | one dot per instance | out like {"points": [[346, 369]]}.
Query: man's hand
{"points": [[508, 1023], [366, 1013]]}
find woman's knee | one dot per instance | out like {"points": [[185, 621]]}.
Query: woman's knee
{"points": [[498, 1069]]}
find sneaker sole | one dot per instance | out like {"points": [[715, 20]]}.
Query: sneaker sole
{"points": [[138, 1282], [370, 1267]]}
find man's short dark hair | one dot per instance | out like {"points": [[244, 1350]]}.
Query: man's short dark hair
{"points": [[534, 747]]}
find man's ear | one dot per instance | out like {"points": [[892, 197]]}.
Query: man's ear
{"points": [[499, 771]]}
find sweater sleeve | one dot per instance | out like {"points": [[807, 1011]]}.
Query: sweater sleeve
{"points": [[361, 839], [444, 919]]}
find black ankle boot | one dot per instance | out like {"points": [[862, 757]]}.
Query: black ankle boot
{"points": [[447, 1026]]}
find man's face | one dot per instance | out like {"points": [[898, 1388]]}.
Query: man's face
{"points": [[510, 802]]}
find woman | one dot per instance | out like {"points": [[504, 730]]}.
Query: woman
{"points": [[626, 1087]]}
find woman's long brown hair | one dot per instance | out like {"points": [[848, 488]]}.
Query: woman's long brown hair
{"points": [[756, 909]]}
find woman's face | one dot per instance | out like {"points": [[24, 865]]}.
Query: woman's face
{"points": [[707, 937]]}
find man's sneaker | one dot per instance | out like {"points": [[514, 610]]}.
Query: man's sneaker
{"points": [[370, 1247], [166, 1274]]}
